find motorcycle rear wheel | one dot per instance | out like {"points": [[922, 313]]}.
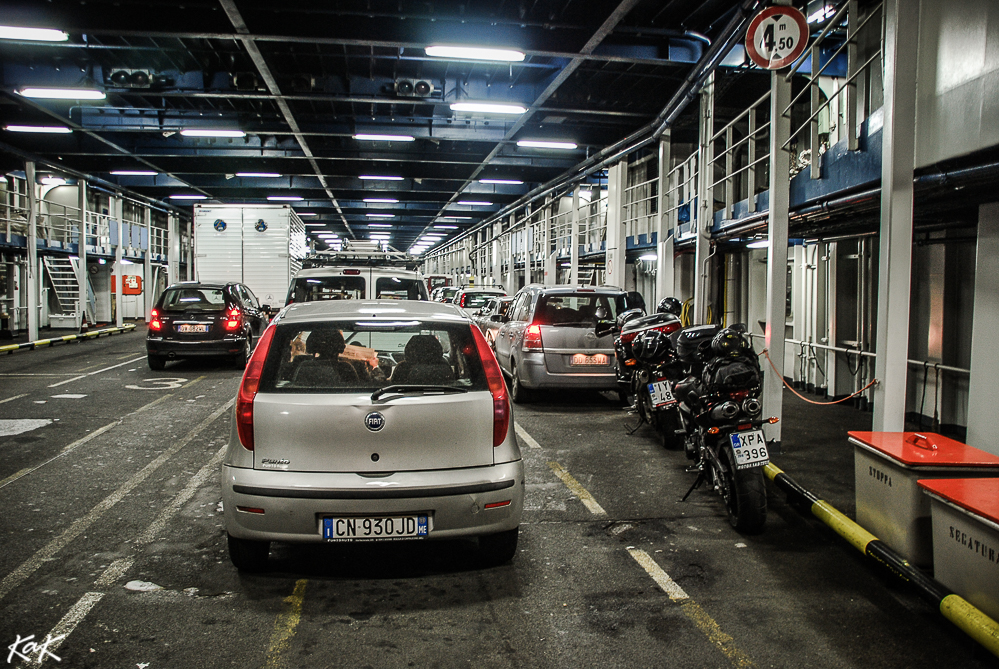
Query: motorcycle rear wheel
{"points": [[669, 423], [744, 493]]}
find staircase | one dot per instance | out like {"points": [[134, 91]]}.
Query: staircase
{"points": [[62, 273], [585, 277]]}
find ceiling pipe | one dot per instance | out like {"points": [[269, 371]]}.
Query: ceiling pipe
{"points": [[731, 33]]}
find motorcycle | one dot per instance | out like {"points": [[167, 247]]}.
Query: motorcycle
{"points": [[720, 411]]}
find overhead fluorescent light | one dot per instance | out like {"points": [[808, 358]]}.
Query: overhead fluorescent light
{"points": [[648, 256], [475, 53], [53, 181], [513, 182], [474, 203], [379, 235], [380, 215], [759, 244], [33, 34], [384, 138], [383, 178], [188, 197], [207, 132], [487, 108], [381, 200], [331, 235], [307, 213], [134, 173], [545, 144], [380, 225], [822, 14], [446, 227], [455, 218], [50, 129], [315, 225], [260, 175], [62, 93], [285, 198]]}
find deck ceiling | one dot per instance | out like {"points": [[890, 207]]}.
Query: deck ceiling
{"points": [[302, 78]]}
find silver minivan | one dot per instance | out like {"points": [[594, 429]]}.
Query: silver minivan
{"points": [[547, 339], [372, 421]]}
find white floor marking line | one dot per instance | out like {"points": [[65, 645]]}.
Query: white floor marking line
{"points": [[83, 376], [210, 470], [68, 396], [78, 442], [527, 439], [68, 623], [15, 426], [668, 585], [31, 565], [115, 571], [15, 397]]}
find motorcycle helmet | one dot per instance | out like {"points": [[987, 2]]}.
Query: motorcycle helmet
{"points": [[669, 305], [652, 346], [628, 315], [729, 342]]}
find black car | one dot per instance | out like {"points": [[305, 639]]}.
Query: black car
{"points": [[194, 319]]}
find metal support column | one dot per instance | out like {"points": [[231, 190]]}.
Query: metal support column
{"points": [[549, 257], [777, 220], [665, 273], [897, 164], [82, 280], [984, 361], [147, 265], [32, 269], [705, 202], [117, 208], [574, 233], [173, 257], [617, 183]]}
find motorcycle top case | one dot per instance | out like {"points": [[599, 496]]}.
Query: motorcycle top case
{"points": [[693, 344]]}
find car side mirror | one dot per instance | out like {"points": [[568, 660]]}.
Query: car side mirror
{"points": [[605, 328], [496, 318]]}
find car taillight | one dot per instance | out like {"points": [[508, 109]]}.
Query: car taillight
{"points": [[248, 389], [232, 322], [463, 297], [155, 324], [532, 338], [494, 377]]}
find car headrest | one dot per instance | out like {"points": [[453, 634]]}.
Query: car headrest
{"points": [[424, 349]]}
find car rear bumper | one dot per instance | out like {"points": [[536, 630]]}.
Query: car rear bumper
{"points": [[294, 503], [534, 374], [169, 348]]}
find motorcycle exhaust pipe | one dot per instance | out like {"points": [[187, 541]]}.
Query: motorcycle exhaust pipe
{"points": [[752, 406], [725, 411]]}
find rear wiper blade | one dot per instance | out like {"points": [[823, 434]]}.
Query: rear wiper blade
{"points": [[404, 389]]}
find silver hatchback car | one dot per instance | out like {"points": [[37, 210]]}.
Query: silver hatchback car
{"points": [[372, 421], [547, 339]]}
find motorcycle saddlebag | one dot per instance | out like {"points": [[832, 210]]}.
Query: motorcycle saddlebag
{"points": [[693, 344], [731, 374]]}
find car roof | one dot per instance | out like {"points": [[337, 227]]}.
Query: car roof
{"points": [[603, 290], [335, 270], [371, 309], [484, 289], [199, 284]]}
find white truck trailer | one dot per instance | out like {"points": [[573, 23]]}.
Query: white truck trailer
{"points": [[261, 246]]}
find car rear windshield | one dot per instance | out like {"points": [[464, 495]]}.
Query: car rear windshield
{"points": [[193, 299], [327, 288], [578, 309], [396, 288], [363, 356], [476, 300]]}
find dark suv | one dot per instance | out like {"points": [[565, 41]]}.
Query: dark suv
{"points": [[194, 319]]}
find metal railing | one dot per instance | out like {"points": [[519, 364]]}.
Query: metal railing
{"points": [[742, 157]]}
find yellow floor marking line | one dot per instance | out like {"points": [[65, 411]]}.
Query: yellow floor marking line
{"points": [[692, 610], [191, 383], [285, 626], [578, 490], [526, 438], [81, 525]]}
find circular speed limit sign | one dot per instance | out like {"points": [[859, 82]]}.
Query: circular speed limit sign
{"points": [[776, 37]]}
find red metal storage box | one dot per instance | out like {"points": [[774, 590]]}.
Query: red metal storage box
{"points": [[966, 538], [890, 504]]}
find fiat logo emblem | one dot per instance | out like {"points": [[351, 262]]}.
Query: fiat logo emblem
{"points": [[374, 421]]}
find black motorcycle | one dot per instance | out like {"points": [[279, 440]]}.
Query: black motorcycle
{"points": [[721, 411]]}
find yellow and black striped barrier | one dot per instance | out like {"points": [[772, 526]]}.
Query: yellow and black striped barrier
{"points": [[954, 608], [52, 341]]}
